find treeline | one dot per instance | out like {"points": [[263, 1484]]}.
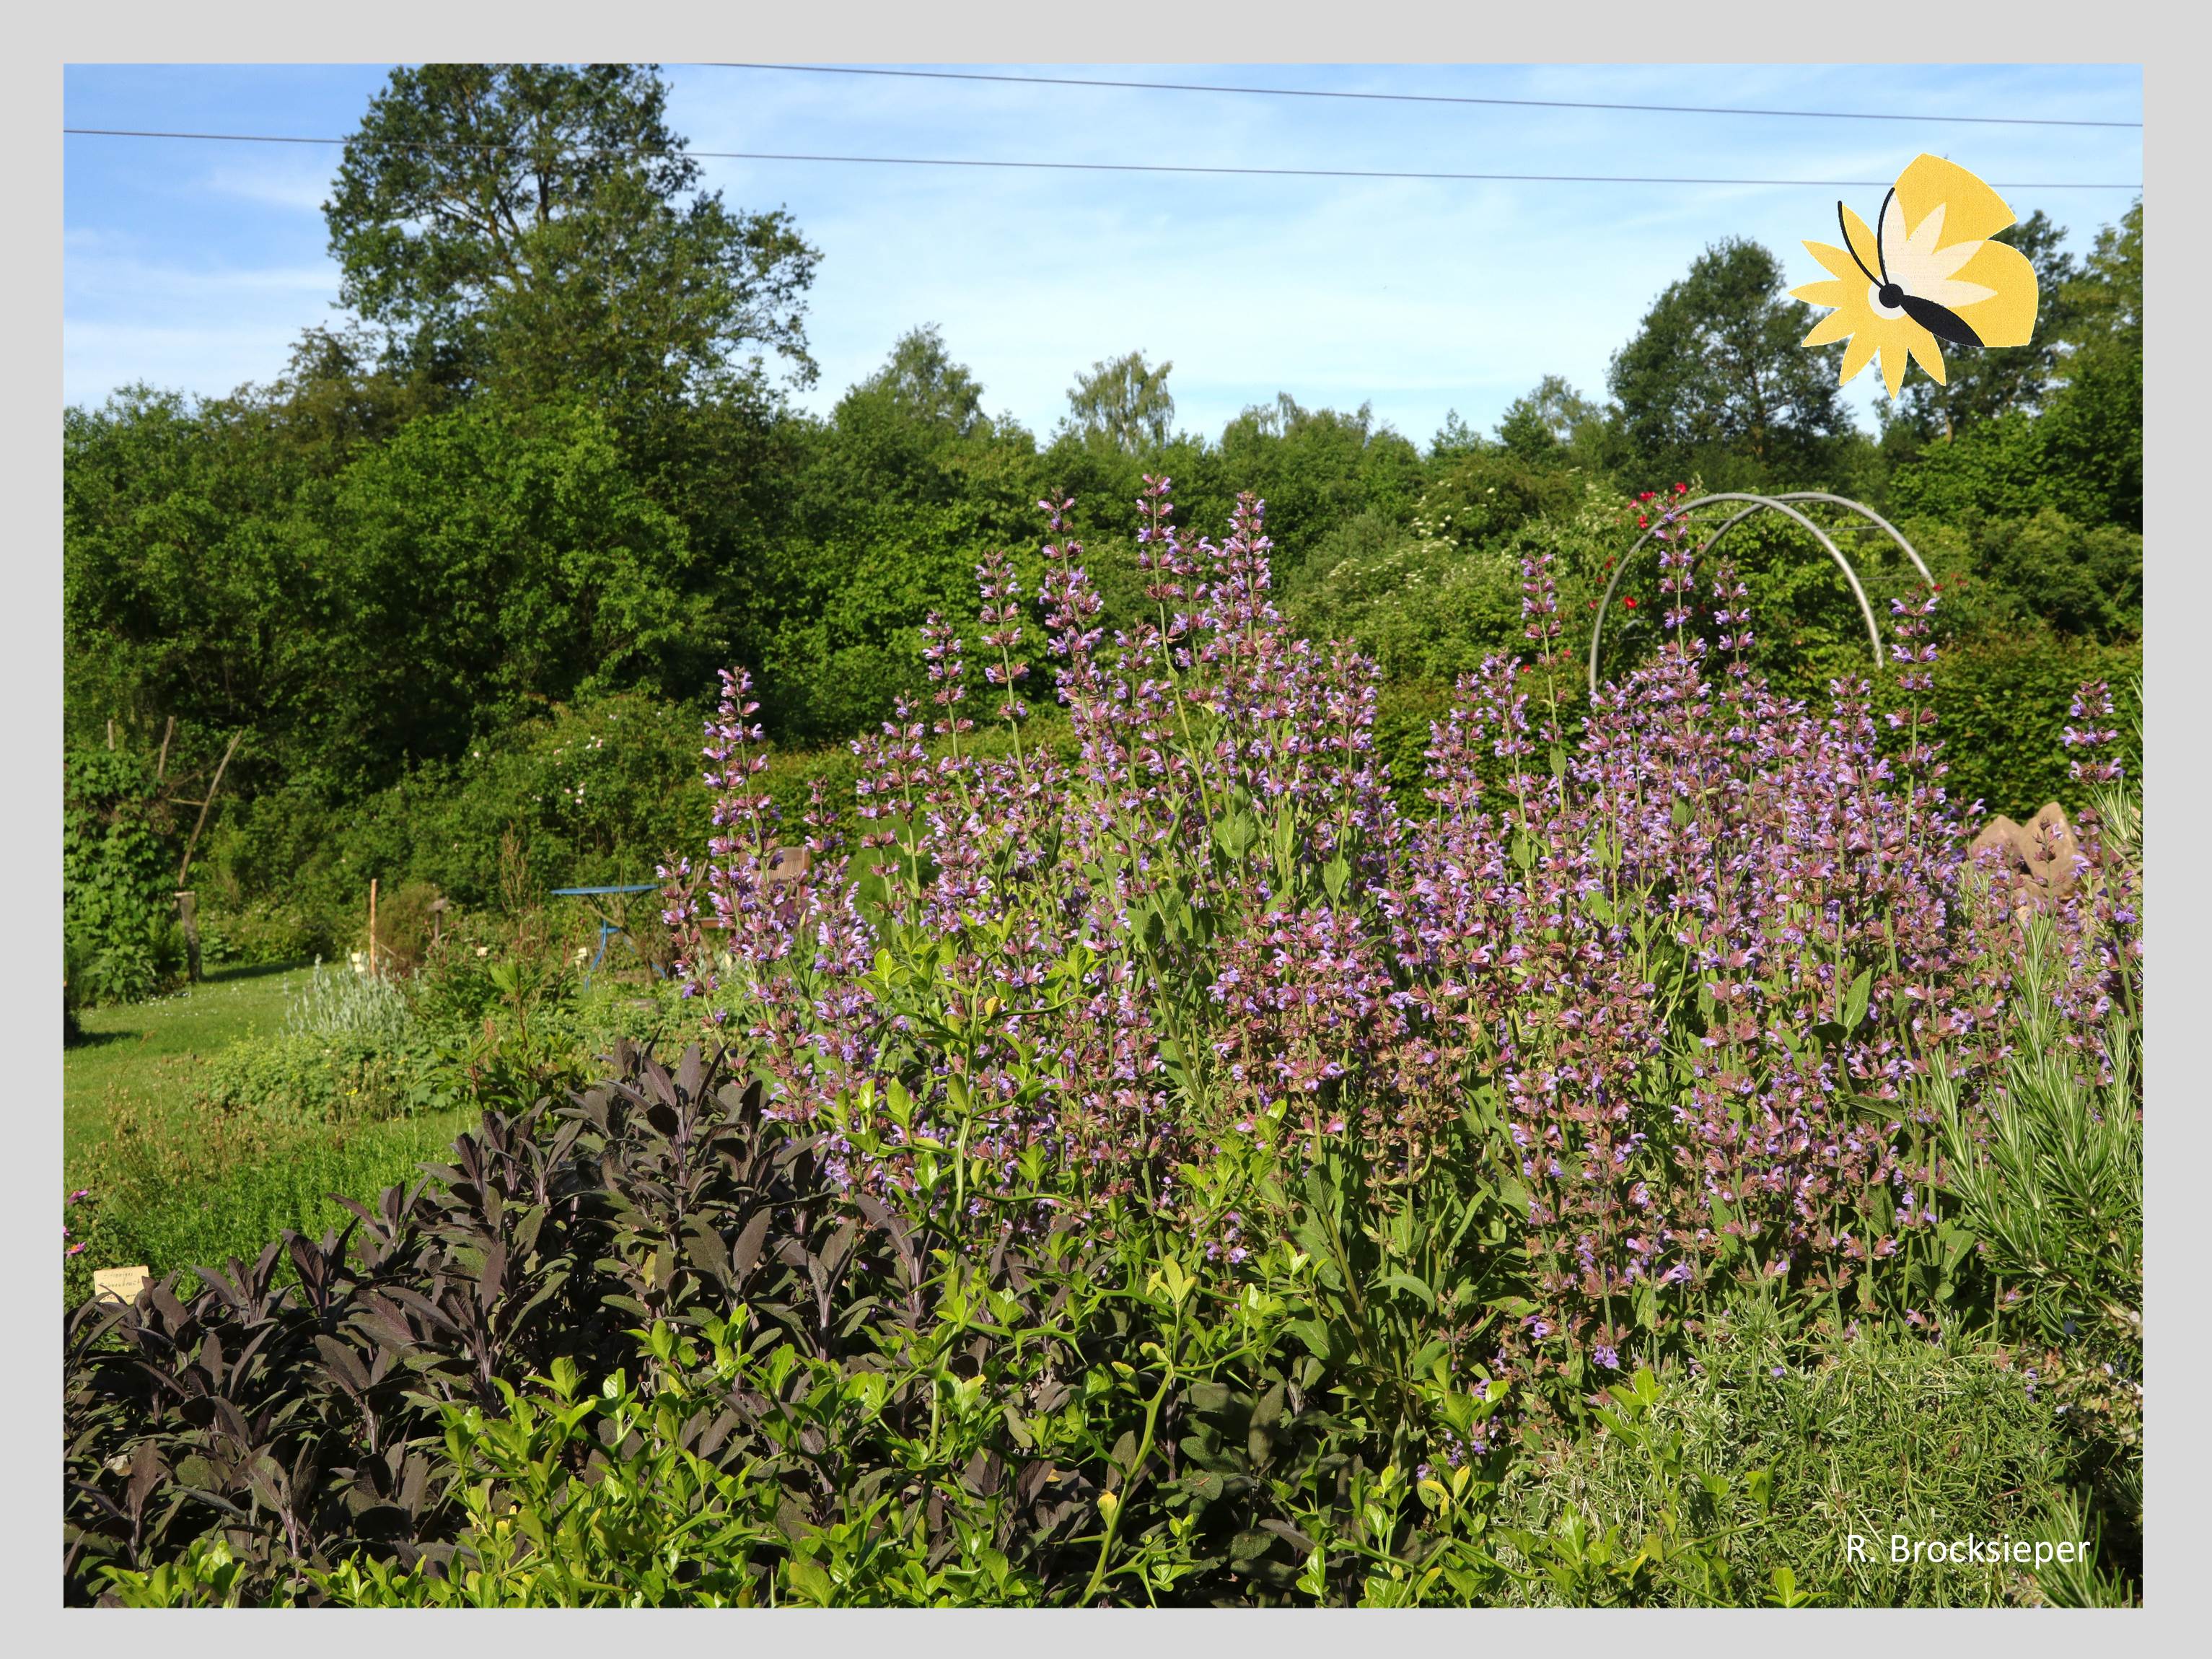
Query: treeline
{"points": [[548, 478]]}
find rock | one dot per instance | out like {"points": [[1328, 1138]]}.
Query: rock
{"points": [[2043, 855]]}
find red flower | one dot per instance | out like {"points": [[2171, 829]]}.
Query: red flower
{"points": [[1682, 490], [1642, 523], [1631, 603]]}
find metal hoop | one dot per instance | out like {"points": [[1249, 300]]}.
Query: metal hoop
{"points": [[1760, 504], [1866, 513]]}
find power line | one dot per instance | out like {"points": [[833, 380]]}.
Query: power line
{"points": [[1079, 167], [1426, 97]]}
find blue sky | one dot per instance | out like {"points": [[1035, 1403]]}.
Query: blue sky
{"points": [[195, 265]]}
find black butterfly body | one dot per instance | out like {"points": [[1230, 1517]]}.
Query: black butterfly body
{"points": [[1940, 320]]}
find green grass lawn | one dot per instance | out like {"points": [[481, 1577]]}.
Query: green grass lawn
{"points": [[151, 1052], [178, 1183]]}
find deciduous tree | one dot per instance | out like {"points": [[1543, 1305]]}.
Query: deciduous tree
{"points": [[540, 229]]}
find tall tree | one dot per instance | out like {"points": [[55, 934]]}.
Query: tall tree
{"points": [[1554, 417], [1122, 402], [920, 383], [2092, 428], [1715, 376], [540, 229]]}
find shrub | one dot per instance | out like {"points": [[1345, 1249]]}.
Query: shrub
{"points": [[350, 1051], [1075, 1415], [593, 793], [119, 905], [2003, 698]]}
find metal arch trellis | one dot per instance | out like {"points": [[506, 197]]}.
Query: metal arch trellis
{"points": [[1756, 504]]}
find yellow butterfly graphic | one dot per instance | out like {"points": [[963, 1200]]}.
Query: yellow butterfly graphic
{"points": [[1927, 273]]}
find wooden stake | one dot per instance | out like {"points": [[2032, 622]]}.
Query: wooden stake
{"points": [[184, 870], [371, 926], [110, 731], [188, 911], [162, 764]]}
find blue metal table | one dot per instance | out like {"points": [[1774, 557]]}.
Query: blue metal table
{"points": [[607, 929]]}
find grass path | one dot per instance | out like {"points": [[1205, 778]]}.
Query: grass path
{"points": [[151, 1052], [177, 1184]]}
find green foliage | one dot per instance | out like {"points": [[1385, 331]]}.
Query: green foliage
{"points": [[843, 1409], [1426, 610], [1715, 379], [495, 561], [2082, 455], [539, 229], [1483, 496], [1122, 402], [1741, 1479], [181, 1196], [187, 590], [2001, 699], [2047, 572], [118, 884], [351, 1052], [1553, 422], [2050, 1186], [592, 793], [544, 491]]}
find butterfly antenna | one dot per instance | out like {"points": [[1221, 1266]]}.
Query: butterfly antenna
{"points": [[1844, 225], [1882, 219]]}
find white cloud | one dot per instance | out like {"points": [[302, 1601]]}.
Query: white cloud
{"points": [[98, 357], [299, 189]]}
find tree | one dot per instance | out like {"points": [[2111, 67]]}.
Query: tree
{"points": [[921, 385], [1123, 404], [1981, 385], [2082, 453], [540, 230], [1554, 417], [486, 563], [187, 593], [2093, 428], [1456, 437], [1715, 378]]}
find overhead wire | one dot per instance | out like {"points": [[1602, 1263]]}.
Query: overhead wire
{"points": [[1421, 97], [1073, 166]]}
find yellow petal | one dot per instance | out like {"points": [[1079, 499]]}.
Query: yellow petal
{"points": [[1831, 294], [1893, 365], [1971, 211], [1927, 350], [1856, 355], [1835, 325], [1836, 262], [2008, 317]]}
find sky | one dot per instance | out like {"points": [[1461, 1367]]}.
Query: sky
{"points": [[194, 265]]}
